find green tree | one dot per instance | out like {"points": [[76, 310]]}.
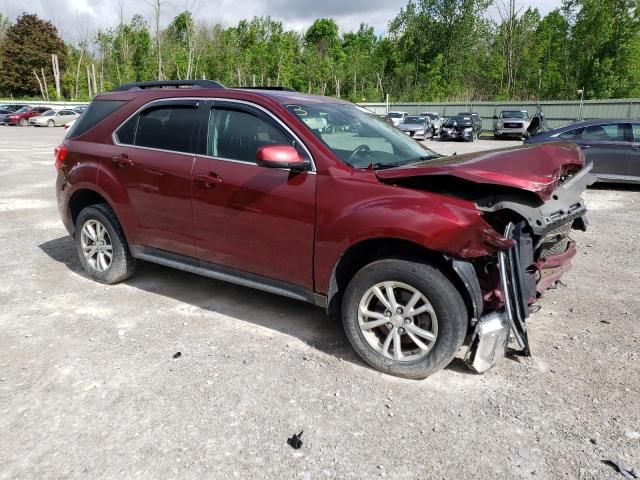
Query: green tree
{"points": [[27, 47], [605, 46]]}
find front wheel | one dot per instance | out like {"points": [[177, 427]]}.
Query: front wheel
{"points": [[51, 124], [102, 246], [404, 318]]}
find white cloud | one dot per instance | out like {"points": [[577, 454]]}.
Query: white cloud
{"points": [[77, 19]]}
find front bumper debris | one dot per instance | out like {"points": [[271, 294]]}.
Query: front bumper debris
{"points": [[492, 333]]}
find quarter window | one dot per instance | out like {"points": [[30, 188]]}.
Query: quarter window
{"points": [[570, 135], [237, 134]]}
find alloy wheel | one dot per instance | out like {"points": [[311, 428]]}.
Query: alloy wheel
{"points": [[398, 321], [96, 245]]}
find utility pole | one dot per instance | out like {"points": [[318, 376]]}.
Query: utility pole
{"points": [[581, 92]]}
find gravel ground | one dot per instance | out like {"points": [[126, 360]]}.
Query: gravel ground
{"points": [[89, 387]]}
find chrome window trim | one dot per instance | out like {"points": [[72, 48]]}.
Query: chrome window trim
{"points": [[115, 141]]}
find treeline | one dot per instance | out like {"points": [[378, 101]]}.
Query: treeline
{"points": [[434, 50]]}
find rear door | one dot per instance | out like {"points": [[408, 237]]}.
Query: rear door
{"points": [[152, 158], [608, 146], [247, 217]]}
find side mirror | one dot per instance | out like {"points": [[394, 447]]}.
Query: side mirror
{"points": [[495, 117], [281, 156]]}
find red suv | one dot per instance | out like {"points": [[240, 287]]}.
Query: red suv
{"points": [[320, 200]]}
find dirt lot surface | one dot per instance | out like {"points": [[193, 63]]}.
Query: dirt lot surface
{"points": [[89, 387]]}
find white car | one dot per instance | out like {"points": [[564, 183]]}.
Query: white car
{"points": [[52, 118], [397, 117]]}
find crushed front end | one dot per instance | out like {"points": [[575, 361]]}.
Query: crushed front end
{"points": [[513, 280]]}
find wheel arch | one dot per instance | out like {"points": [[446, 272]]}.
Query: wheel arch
{"points": [[459, 272], [83, 198]]}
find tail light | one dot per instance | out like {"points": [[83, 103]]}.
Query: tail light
{"points": [[60, 153]]}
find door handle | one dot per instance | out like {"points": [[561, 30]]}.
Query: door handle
{"points": [[585, 147], [122, 160], [209, 179]]}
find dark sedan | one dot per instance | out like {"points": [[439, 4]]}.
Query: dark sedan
{"points": [[612, 145]]}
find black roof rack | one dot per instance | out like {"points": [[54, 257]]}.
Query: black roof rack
{"points": [[168, 84], [280, 89]]}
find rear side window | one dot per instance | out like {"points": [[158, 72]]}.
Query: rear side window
{"points": [[171, 128], [613, 132], [97, 111]]}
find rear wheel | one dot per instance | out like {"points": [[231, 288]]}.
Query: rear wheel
{"points": [[404, 318], [24, 122], [101, 245]]}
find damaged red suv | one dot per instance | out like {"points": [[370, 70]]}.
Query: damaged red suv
{"points": [[317, 199]]}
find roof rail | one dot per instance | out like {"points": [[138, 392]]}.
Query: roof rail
{"points": [[168, 84], [281, 89]]}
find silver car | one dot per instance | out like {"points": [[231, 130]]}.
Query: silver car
{"points": [[417, 127], [436, 121], [52, 118]]}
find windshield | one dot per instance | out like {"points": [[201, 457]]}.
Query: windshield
{"points": [[459, 121], [395, 115], [413, 120], [358, 138], [48, 113], [24, 110], [432, 116], [514, 114]]}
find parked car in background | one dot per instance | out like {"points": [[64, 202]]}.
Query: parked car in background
{"points": [[511, 123], [397, 117], [417, 127], [80, 110], [612, 145], [477, 122], [459, 127], [436, 121], [12, 106], [53, 118], [21, 117]]}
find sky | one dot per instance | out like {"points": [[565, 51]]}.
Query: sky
{"points": [[78, 19]]}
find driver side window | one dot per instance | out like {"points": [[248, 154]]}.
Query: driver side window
{"points": [[237, 134]]}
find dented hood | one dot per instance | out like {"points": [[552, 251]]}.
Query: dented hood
{"points": [[535, 168]]}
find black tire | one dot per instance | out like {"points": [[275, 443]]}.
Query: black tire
{"points": [[24, 122], [123, 265], [450, 309]]}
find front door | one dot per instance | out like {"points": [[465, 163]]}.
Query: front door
{"points": [[634, 164], [246, 217], [608, 146], [152, 159]]}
